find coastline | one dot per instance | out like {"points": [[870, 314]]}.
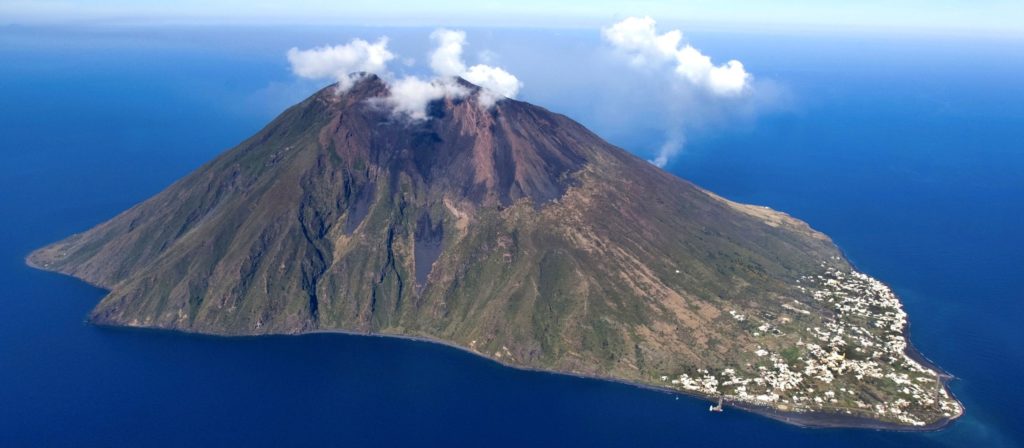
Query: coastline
{"points": [[914, 354], [813, 420], [810, 419]]}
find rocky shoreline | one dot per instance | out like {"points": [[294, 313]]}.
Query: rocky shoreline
{"points": [[806, 419], [812, 419]]}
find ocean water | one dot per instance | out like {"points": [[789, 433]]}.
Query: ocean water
{"points": [[907, 150]]}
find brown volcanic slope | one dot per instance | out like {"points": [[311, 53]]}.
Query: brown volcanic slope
{"points": [[511, 231]]}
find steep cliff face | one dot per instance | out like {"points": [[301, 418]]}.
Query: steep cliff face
{"points": [[511, 231]]}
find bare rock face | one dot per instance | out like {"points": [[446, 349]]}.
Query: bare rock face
{"points": [[514, 232]]}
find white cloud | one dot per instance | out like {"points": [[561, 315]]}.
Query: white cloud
{"points": [[695, 90], [496, 82], [639, 38], [341, 62], [446, 61], [410, 95]]}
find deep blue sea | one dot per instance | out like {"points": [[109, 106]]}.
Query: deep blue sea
{"points": [[907, 150]]}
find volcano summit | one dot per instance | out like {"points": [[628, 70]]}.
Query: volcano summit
{"points": [[517, 234]]}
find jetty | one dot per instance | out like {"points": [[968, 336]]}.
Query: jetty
{"points": [[717, 407]]}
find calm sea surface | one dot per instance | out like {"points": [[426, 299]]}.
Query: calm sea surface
{"points": [[908, 151]]}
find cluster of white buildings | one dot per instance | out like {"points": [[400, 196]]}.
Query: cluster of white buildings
{"points": [[858, 345]]}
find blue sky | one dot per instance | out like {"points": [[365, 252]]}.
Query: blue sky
{"points": [[984, 17]]}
